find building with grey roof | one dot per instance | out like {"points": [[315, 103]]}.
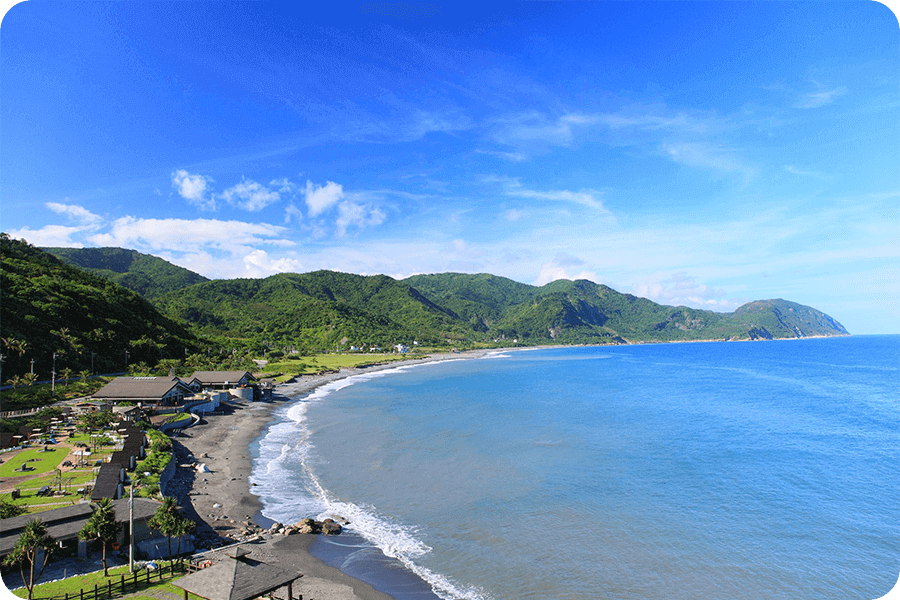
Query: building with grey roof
{"points": [[158, 391], [237, 577]]}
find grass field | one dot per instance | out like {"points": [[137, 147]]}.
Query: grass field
{"points": [[45, 473], [72, 585], [42, 462], [300, 365]]}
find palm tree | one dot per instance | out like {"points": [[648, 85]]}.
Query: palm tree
{"points": [[15, 381], [101, 526], [183, 527], [165, 520], [83, 376], [14, 345], [29, 379], [31, 542], [66, 375]]}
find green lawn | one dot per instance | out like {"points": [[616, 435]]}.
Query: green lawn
{"points": [[45, 474], [42, 462], [73, 585], [319, 362]]}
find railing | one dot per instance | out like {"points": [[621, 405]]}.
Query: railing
{"points": [[126, 584]]}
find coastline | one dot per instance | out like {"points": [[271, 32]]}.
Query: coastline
{"points": [[222, 503]]}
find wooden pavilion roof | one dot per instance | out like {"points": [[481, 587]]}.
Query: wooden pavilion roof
{"points": [[236, 577]]}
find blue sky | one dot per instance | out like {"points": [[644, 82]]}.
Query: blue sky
{"points": [[704, 154]]}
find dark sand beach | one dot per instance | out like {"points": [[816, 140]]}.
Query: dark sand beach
{"points": [[222, 503]]}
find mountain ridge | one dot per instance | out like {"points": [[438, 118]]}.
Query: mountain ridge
{"points": [[328, 309]]}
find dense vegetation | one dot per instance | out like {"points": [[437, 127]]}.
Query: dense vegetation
{"points": [[147, 275], [313, 311], [49, 308], [326, 310]]}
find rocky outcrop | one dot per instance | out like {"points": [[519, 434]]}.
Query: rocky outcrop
{"points": [[251, 531]]}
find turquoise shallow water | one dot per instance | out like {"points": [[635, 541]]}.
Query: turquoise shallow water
{"points": [[704, 470]]}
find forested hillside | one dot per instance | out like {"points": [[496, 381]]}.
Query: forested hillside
{"points": [[327, 310], [321, 310], [145, 274], [49, 307]]}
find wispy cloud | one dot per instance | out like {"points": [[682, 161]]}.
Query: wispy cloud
{"points": [[187, 235], [512, 187], [806, 173], [680, 289], [252, 196], [50, 235], [706, 155], [321, 198], [820, 97], [352, 214], [75, 212], [194, 189]]}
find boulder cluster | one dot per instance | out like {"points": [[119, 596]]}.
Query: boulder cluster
{"points": [[327, 527]]}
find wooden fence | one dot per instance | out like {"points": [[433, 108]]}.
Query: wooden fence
{"points": [[126, 584]]}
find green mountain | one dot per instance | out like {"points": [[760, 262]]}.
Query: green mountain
{"points": [[49, 307], [326, 309], [147, 275]]}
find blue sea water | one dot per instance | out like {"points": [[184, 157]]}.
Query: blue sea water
{"points": [[663, 471]]}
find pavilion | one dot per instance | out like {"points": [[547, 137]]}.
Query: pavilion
{"points": [[237, 577]]}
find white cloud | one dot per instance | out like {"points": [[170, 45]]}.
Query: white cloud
{"points": [[510, 156], [187, 235], [680, 289], [49, 235], [351, 214], [283, 185], [553, 271], [820, 98], [193, 188], [512, 187], [702, 154], [250, 195], [291, 212], [73, 211], [258, 263], [320, 198], [805, 172], [535, 127], [513, 214]]}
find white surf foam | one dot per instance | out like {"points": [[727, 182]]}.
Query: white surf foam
{"points": [[289, 488]]}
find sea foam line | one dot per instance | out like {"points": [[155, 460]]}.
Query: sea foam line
{"points": [[290, 441]]}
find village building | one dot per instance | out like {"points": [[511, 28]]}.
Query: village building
{"points": [[65, 523], [219, 380], [146, 391]]}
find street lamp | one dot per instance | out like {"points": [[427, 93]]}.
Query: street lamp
{"points": [[126, 360], [53, 376]]}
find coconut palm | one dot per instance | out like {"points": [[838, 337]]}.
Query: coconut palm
{"points": [[83, 377], [33, 546], [165, 520], [101, 526], [66, 375]]}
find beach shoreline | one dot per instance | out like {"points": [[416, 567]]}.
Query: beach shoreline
{"points": [[222, 503]]}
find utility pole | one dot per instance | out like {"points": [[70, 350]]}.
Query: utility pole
{"points": [[131, 528], [93, 354], [53, 376], [32, 366]]}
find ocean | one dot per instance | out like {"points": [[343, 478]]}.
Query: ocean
{"points": [[724, 470]]}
